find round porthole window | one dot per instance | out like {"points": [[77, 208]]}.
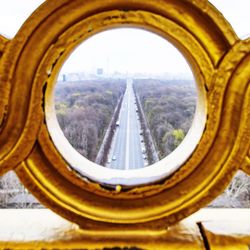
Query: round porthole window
{"points": [[125, 99]]}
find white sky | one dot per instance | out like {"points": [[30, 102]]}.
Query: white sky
{"points": [[107, 49], [127, 50]]}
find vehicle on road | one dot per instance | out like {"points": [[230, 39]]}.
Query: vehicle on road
{"points": [[114, 158], [117, 124]]}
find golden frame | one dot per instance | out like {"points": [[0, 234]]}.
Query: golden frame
{"points": [[30, 63]]}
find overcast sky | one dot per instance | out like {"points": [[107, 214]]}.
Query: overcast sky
{"points": [[125, 49]]}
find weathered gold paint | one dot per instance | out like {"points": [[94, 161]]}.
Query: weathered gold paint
{"points": [[227, 235], [41, 229], [221, 229], [28, 69]]}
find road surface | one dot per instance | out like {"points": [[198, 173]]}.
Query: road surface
{"points": [[127, 149]]}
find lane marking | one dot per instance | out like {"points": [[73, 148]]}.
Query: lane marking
{"points": [[137, 140], [127, 132]]}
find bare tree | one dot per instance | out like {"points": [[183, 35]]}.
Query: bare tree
{"points": [[13, 193], [237, 195]]}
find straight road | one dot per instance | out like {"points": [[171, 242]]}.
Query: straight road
{"points": [[127, 149]]}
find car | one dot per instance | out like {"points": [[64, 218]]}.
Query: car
{"points": [[117, 123], [114, 158], [109, 160]]}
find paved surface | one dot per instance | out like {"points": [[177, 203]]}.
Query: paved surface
{"points": [[127, 149]]}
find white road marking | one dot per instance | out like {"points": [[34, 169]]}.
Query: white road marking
{"points": [[127, 132]]}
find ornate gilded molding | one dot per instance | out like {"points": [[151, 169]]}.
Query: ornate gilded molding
{"points": [[246, 165], [3, 43], [30, 65], [3, 101]]}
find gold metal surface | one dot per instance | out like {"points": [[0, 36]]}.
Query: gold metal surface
{"points": [[222, 229], [246, 165], [29, 66], [42, 229], [227, 235]]}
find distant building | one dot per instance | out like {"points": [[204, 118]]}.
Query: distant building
{"points": [[64, 78], [99, 71]]}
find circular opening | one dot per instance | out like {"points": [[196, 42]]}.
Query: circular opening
{"points": [[125, 102]]}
